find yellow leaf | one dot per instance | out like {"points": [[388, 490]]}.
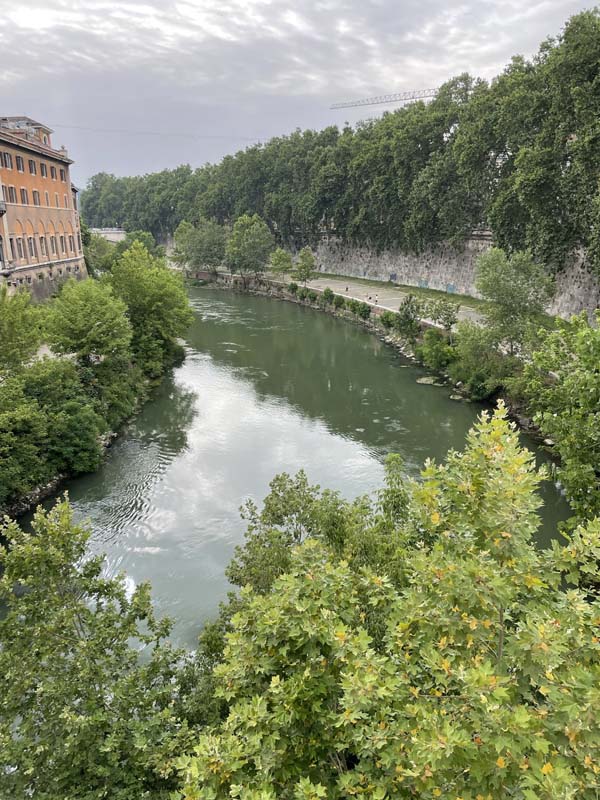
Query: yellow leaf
{"points": [[500, 762], [435, 517], [437, 792], [547, 768]]}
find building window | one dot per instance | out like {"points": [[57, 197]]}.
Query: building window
{"points": [[63, 249], [43, 250], [13, 252], [53, 173], [36, 198], [20, 250], [32, 167], [6, 159], [12, 194], [43, 170], [56, 199], [4, 193], [71, 243], [79, 241], [47, 197], [32, 247], [63, 176], [20, 164], [66, 201], [53, 244], [24, 197]]}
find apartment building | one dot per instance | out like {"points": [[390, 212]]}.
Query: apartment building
{"points": [[40, 238]]}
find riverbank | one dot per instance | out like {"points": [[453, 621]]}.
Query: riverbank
{"points": [[378, 304]]}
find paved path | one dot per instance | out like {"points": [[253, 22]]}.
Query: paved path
{"points": [[388, 296]]}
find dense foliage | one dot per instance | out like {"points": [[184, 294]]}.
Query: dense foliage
{"points": [[107, 338], [519, 155], [414, 643], [562, 390], [200, 246], [248, 248], [81, 716]]}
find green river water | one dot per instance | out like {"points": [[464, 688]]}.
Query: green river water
{"points": [[266, 387]]}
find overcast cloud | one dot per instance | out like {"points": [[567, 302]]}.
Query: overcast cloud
{"points": [[220, 75]]}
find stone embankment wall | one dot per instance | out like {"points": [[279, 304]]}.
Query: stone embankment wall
{"points": [[451, 270]]}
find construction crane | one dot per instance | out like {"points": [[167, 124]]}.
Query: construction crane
{"points": [[398, 97]]}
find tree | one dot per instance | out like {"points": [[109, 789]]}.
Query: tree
{"points": [[478, 364], [20, 333], [89, 321], [99, 254], [81, 714], [280, 262], [249, 246], [563, 392], [72, 421], [445, 313], [470, 672], [200, 246], [408, 319], [145, 238], [305, 265], [23, 443], [517, 289], [157, 306]]}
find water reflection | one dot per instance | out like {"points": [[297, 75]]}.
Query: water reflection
{"points": [[266, 387]]}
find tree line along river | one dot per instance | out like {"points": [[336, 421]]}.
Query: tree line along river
{"points": [[266, 387]]}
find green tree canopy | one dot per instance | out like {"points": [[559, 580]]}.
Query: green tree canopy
{"points": [[249, 245], [305, 265], [518, 290], [80, 716], [89, 321], [471, 672], [157, 305], [280, 262], [562, 388], [200, 245], [20, 333]]}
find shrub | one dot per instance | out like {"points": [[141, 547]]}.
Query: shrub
{"points": [[338, 301], [364, 310], [312, 296], [293, 288], [302, 293], [387, 319], [328, 295], [479, 365], [434, 351]]}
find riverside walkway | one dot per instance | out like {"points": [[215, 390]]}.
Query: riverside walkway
{"points": [[389, 296]]}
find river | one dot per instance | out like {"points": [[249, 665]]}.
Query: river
{"points": [[266, 387]]}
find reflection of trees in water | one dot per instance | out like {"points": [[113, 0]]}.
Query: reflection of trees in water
{"points": [[327, 369], [167, 417]]}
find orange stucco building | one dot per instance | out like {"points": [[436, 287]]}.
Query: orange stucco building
{"points": [[40, 238]]}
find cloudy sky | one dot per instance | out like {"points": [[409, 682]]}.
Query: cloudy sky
{"points": [[138, 85]]}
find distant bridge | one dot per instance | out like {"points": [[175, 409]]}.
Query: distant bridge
{"points": [[113, 235]]}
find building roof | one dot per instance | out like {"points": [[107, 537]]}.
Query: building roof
{"points": [[28, 122], [17, 138]]}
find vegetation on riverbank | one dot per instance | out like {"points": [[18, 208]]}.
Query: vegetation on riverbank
{"points": [[413, 643], [543, 367], [518, 155], [108, 339]]}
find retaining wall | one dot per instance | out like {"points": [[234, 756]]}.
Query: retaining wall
{"points": [[451, 270]]}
